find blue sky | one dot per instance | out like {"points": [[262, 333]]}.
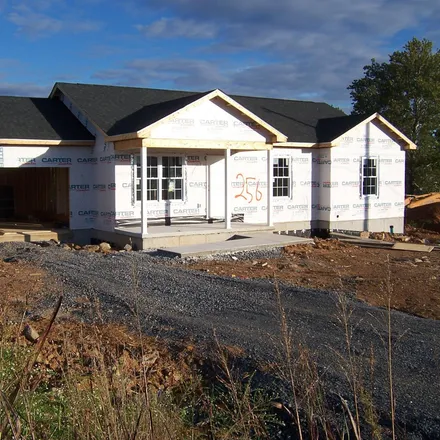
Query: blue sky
{"points": [[309, 50]]}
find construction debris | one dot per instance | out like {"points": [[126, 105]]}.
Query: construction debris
{"points": [[425, 210], [412, 247], [30, 334]]}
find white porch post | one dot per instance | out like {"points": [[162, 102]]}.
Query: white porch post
{"points": [[144, 216], [269, 187], [227, 189]]}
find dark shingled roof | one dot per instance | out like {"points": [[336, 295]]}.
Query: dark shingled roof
{"points": [[296, 119], [39, 118], [329, 129], [118, 110]]}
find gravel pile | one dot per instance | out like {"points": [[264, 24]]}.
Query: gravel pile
{"points": [[176, 303]]}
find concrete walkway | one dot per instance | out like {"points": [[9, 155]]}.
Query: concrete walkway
{"points": [[236, 244]]}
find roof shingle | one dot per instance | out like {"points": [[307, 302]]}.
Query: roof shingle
{"points": [[39, 118], [118, 110]]}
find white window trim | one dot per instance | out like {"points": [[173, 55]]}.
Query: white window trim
{"points": [[160, 178], [290, 187], [361, 172]]}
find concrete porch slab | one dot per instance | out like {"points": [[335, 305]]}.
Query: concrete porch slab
{"points": [[160, 236], [251, 242]]}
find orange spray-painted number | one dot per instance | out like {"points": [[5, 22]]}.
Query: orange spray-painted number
{"points": [[246, 192]]}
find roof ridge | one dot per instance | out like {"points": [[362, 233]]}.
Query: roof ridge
{"points": [[128, 87], [23, 97], [279, 99], [189, 91]]}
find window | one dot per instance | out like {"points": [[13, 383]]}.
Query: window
{"points": [[369, 176], [172, 178], [164, 177], [281, 177]]}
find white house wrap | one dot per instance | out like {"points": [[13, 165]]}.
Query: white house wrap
{"points": [[111, 158]]}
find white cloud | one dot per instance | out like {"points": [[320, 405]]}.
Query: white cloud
{"points": [[181, 73], [36, 24], [314, 48], [176, 27]]}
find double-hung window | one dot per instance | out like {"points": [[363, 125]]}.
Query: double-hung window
{"points": [[164, 178], [369, 171], [172, 178], [281, 177]]}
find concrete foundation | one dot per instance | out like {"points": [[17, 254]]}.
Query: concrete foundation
{"points": [[292, 226], [161, 236], [371, 225]]}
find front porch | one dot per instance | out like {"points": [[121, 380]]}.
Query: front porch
{"points": [[178, 234], [198, 237]]}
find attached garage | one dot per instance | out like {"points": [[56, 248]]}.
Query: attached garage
{"points": [[40, 140], [37, 195]]}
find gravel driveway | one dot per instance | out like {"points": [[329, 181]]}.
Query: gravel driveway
{"points": [[181, 304]]}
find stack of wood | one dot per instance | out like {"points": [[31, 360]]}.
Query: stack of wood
{"points": [[424, 208]]}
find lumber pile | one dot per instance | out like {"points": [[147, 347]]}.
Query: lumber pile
{"points": [[424, 209]]}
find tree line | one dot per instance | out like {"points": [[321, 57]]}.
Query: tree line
{"points": [[406, 91]]}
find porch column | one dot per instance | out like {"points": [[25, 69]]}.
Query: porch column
{"points": [[269, 187], [144, 191], [227, 189]]}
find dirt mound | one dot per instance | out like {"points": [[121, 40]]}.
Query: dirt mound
{"points": [[77, 347], [81, 348], [432, 237]]}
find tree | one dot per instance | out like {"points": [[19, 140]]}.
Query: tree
{"points": [[406, 91]]}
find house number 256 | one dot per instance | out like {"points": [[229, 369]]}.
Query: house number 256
{"points": [[246, 192]]}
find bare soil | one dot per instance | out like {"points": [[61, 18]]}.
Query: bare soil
{"points": [[73, 345], [372, 275]]}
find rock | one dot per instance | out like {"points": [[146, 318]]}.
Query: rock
{"points": [[234, 258], [77, 247], [43, 243], [66, 247], [91, 248], [10, 260], [418, 260], [364, 234], [104, 247], [30, 334], [128, 248]]}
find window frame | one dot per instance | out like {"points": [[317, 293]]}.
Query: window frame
{"points": [[363, 176], [172, 173], [287, 166], [159, 176]]}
